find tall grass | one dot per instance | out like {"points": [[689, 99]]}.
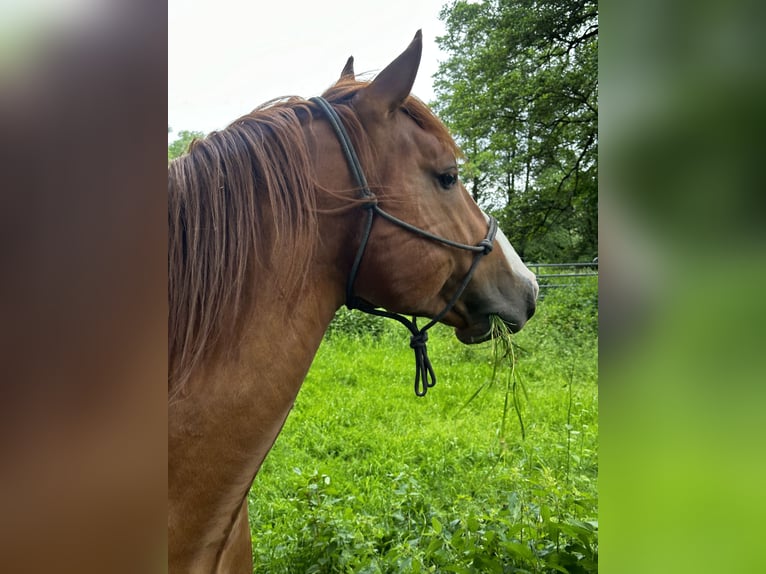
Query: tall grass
{"points": [[366, 477]]}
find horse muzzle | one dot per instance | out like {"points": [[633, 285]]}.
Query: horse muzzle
{"points": [[513, 311]]}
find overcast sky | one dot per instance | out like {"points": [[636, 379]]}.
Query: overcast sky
{"points": [[227, 56]]}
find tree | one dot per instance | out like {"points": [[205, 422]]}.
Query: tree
{"points": [[180, 145], [519, 91]]}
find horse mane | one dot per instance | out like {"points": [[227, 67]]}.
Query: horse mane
{"points": [[236, 195]]}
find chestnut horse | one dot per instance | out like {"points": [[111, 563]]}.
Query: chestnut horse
{"points": [[270, 232]]}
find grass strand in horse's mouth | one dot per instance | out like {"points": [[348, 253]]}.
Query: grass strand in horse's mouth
{"points": [[500, 334], [504, 356]]}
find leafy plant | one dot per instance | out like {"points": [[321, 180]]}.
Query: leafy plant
{"points": [[365, 477], [355, 324]]}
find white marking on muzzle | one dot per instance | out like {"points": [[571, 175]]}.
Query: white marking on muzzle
{"points": [[514, 261]]}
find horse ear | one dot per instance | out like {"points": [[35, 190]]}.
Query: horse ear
{"points": [[348, 70], [391, 86]]}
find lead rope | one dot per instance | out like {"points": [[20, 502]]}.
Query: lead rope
{"points": [[425, 378]]}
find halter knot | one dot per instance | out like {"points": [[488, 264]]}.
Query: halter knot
{"points": [[419, 340], [486, 244]]}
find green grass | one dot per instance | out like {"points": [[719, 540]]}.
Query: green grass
{"points": [[494, 470]]}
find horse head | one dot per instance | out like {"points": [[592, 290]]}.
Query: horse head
{"points": [[413, 175]]}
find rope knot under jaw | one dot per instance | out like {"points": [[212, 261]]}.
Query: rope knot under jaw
{"points": [[419, 340]]}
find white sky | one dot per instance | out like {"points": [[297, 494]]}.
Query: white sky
{"points": [[225, 57]]}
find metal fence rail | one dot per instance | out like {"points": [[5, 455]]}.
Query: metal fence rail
{"points": [[573, 273]]}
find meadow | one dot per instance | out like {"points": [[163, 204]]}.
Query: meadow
{"points": [[494, 470]]}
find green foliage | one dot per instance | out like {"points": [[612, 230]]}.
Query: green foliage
{"points": [[365, 477], [181, 144], [570, 312], [354, 324], [519, 91]]}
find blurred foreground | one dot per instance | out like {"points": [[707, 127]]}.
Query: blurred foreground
{"points": [[83, 454], [683, 272]]}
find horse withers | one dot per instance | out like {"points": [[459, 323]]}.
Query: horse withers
{"points": [[271, 230]]}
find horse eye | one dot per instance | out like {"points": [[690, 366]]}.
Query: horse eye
{"points": [[447, 180]]}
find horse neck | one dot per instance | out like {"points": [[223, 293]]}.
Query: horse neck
{"points": [[234, 407], [254, 389]]}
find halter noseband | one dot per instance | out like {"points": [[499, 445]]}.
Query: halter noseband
{"points": [[424, 373]]}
